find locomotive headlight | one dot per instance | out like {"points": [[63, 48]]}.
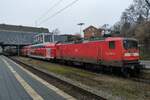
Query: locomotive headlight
{"points": [[127, 54], [136, 54], [131, 54]]}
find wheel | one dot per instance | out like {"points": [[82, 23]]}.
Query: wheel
{"points": [[126, 72], [137, 72]]}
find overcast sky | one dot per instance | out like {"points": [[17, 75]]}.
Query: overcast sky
{"points": [[90, 12]]}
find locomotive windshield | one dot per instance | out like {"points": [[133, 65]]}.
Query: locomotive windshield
{"points": [[130, 44]]}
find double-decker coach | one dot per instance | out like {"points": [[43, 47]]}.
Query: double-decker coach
{"points": [[43, 51], [25, 50]]}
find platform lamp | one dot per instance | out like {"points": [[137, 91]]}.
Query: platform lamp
{"points": [[81, 24]]}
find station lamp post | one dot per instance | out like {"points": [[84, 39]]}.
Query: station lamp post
{"points": [[81, 24]]}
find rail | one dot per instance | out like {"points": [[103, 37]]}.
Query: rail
{"points": [[85, 92]]}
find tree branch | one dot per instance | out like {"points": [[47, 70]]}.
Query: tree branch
{"points": [[148, 3]]}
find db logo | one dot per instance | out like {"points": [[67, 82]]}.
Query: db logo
{"points": [[76, 50]]}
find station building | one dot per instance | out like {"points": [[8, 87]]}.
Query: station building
{"points": [[92, 31]]}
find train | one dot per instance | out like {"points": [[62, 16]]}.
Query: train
{"points": [[10, 51], [111, 52]]}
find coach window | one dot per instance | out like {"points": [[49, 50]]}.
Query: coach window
{"points": [[112, 44]]}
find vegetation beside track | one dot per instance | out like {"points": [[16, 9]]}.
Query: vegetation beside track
{"points": [[146, 74], [125, 88]]}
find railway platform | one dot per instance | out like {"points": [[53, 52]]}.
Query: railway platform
{"points": [[17, 83]]}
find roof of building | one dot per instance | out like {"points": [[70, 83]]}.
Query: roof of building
{"points": [[14, 37], [92, 27], [89, 28], [23, 28]]}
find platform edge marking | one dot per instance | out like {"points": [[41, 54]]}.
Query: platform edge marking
{"points": [[58, 91], [34, 95]]}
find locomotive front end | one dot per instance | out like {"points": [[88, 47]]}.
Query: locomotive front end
{"points": [[131, 56], [131, 51]]}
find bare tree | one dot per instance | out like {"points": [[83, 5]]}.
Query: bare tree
{"points": [[56, 31], [148, 3]]}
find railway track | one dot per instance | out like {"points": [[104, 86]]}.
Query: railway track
{"points": [[136, 79], [117, 74], [72, 89], [141, 80]]}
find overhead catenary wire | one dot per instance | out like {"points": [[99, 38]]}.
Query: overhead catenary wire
{"points": [[53, 15], [50, 9]]}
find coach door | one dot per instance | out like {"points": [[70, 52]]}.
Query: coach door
{"points": [[111, 53], [49, 52]]}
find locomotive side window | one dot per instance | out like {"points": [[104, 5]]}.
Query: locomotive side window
{"points": [[112, 44]]}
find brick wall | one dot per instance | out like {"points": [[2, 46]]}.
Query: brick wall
{"points": [[92, 31]]}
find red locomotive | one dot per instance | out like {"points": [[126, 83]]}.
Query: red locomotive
{"points": [[115, 52]]}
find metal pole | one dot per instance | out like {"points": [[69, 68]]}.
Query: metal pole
{"points": [[53, 37], [18, 49], [43, 37], [81, 24], [80, 29], [18, 44]]}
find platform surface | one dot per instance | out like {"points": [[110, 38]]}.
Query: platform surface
{"points": [[16, 84]]}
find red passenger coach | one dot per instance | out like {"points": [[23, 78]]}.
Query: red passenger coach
{"points": [[43, 51], [25, 50]]}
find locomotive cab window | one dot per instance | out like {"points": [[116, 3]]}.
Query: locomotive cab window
{"points": [[130, 44], [112, 44]]}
